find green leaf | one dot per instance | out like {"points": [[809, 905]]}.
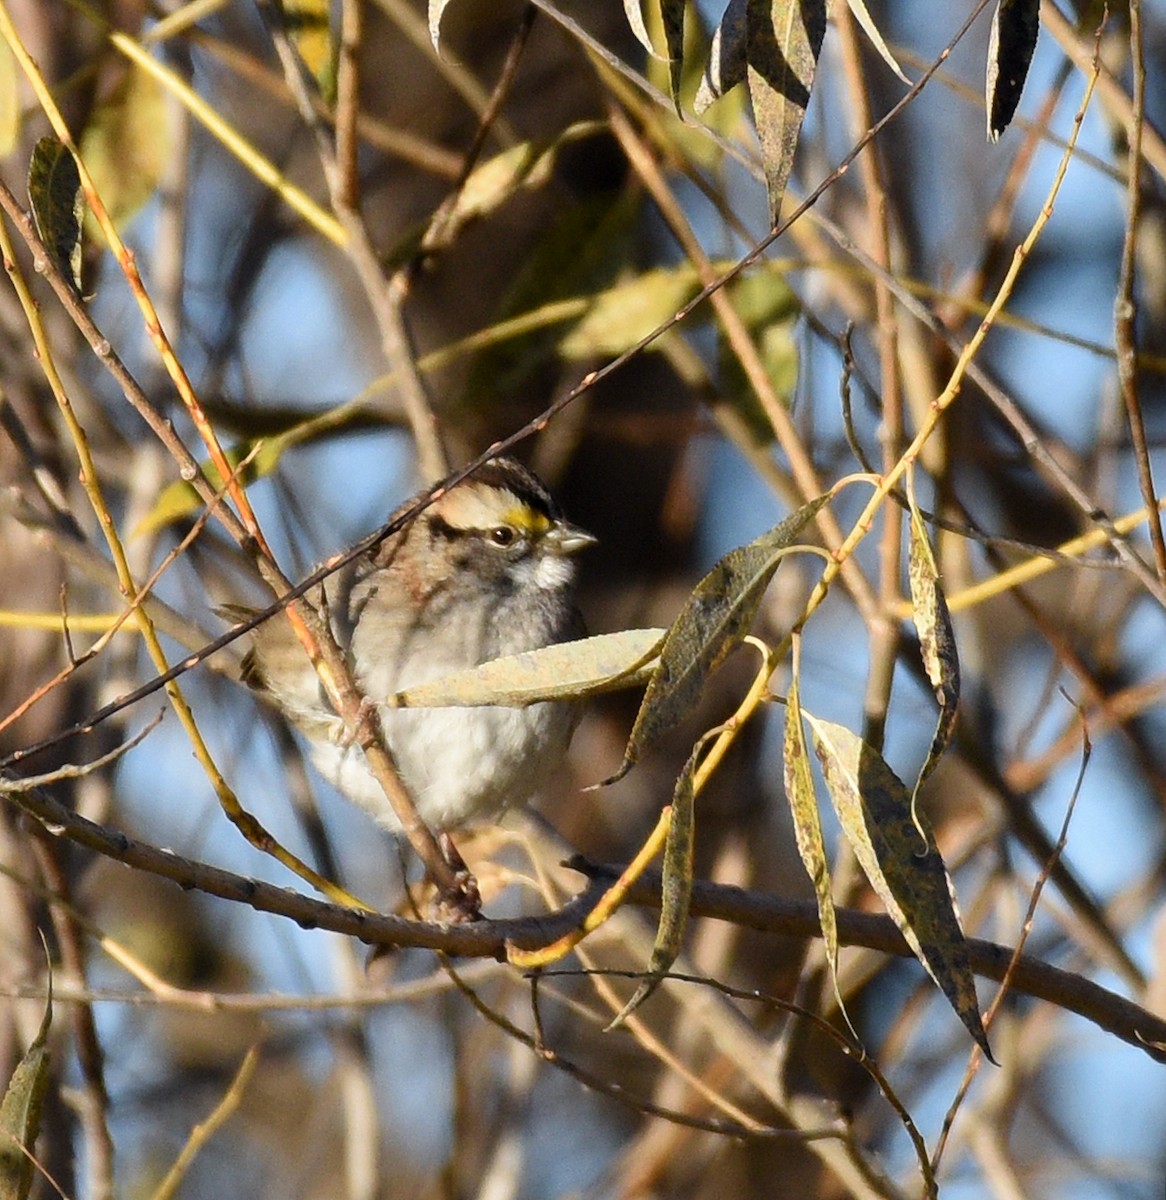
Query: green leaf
{"points": [[309, 26], [769, 307], [125, 147], [569, 670], [936, 640], [784, 40], [490, 185], [179, 499], [675, 887], [911, 880], [54, 193], [624, 314], [799, 791], [20, 1114], [714, 621], [1011, 43]]}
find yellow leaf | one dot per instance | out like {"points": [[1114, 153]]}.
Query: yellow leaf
{"points": [[125, 147]]}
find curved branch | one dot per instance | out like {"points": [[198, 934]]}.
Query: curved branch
{"points": [[491, 939]]}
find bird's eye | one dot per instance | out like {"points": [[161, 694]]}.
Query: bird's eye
{"points": [[503, 535]]}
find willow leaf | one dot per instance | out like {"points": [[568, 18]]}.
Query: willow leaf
{"points": [[784, 40], [799, 791], [936, 640], [568, 670], [20, 1114], [713, 622], [858, 7], [1011, 44], [672, 17], [726, 66], [309, 27], [675, 887], [54, 193], [125, 147], [875, 811]]}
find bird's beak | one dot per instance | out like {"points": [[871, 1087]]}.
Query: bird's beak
{"points": [[567, 539]]}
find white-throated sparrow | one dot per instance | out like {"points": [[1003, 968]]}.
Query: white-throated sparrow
{"points": [[485, 571]]}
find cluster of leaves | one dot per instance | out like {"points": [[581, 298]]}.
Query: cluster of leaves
{"points": [[774, 49], [878, 813]]}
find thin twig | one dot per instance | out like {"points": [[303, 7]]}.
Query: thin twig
{"points": [[1125, 308], [491, 938]]}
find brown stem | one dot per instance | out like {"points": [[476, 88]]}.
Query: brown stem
{"points": [[491, 939]]}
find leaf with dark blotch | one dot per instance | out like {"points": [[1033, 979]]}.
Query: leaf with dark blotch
{"points": [[675, 887], [54, 192], [672, 16], [1011, 43], [799, 791], [875, 811], [726, 66], [20, 1114], [714, 621], [785, 38], [936, 640]]}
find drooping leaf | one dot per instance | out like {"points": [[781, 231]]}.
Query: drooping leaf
{"points": [[784, 40], [634, 11], [714, 621], [675, 886], [590, 666], [799, 791], [9, 100], [726, 66], [858, 7], [672, 16], [309, 26], [20, 1114], [1015, 25], [54, 193], [125, 147], [874, 808], [936, 639]]}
